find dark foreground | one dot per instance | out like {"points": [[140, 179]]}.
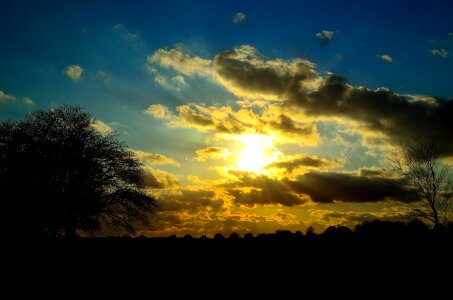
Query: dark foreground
{"points": [[380, 257]]}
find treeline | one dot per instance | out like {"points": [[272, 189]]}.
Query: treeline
{"points": [[369, 230]]}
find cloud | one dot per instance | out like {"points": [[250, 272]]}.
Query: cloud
{"points": [[191, 199], [327, 187], [211, 153], [375, 172], [304, 96], [380, 111], [104, 76], [246, 74], [179, 82], [325, 37], [376, 113], [28, 101], [385, 57], [159, 179], [440, 52], [351, 217], [101, 127], [176, 82], [158, 111], [154, 158], [201, 222], [226, 121], [290, 163], [4, 98], [121, 29], [239, 17], [322, 187], [180, 62], [250, 189], [74, 72]]}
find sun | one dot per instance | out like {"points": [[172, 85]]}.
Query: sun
{"points": [[256, 152]]}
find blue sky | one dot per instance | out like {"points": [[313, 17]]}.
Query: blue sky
{"points": [[404, 46]]}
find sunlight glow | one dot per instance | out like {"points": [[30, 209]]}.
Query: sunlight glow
{"points": [[257, 151]]}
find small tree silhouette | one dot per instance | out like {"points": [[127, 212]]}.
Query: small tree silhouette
{"points": [[234, 236], [248, 236], [218, 236], [57, 173], [417, 160]]}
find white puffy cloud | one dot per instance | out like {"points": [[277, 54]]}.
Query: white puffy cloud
{"points": [[385, 57], [74, 72]]}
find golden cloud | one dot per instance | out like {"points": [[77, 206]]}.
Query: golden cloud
{"points": [[211, 153], [154, 158], [159, 179], [293, 165], [101, 127], [296, 84], [226, 121], [181, 62]]}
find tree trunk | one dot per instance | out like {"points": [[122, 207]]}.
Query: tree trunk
{"points": [[436, 218]]}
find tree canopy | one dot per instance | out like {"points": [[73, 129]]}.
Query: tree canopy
{"points": [[59, 174]]}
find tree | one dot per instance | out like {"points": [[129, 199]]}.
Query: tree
{"points": [[417, 161], [58, 173]]}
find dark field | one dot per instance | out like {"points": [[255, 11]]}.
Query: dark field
{"points": [[392, 250]]}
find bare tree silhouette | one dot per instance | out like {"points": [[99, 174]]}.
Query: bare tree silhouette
{"points": [[417, 161], [59, 174]]}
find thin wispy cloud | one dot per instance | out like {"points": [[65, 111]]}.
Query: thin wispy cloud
{"points": [[440, 52], [4, 98], [28, 101]]}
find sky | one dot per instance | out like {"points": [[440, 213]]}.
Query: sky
{"points": [[248, 115]]}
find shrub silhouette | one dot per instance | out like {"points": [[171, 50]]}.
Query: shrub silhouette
{"points": [[218, 236], [234, 236], [248, 236], [59, 174]]}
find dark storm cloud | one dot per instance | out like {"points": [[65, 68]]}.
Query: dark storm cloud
{"points": [[327, 187], [397, 116], [296, 83], [321, 187], [357, 217], [371, 172], [243, 70]]}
